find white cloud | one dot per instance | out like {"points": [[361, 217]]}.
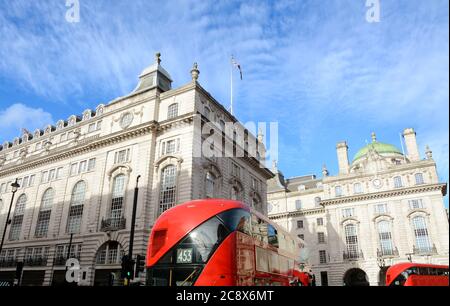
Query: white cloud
{"points": [[18, 116]]}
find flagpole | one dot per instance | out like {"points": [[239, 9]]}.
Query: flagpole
{"points": [[231, 77]]}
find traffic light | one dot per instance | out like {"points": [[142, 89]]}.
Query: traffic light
{"points": [[140, 265], [127, 270]]}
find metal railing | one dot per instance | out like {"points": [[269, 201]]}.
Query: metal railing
{"points": [[113, 224], [35, 261], [353, 255], [425, 251], [8, 263], [387, 252], [61, 260]]}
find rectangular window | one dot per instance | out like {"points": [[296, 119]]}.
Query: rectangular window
{"points": [[51, 175], [3, 188], [298, 204], [381, 209], [122, 156], [82, 167], [91, 128], [338, 191], [19, 181], [301, 236], [398, 182], [44, 177], [32, 179], [322, 256], [91, 164], [299, 223], [348, 212], [99, 125], [25, 181], [170, 147], [63, 137], [321, 237], [59, 172], [73, 169], [419, 178], [319, 221], [38, 146], [415, 204]]}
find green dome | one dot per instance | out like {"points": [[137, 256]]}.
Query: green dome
{"points": [[379, 147]]}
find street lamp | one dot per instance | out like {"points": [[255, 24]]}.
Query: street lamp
{"points": [[14, 187]]}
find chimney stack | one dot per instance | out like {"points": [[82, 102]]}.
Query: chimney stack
{"points": [[411, 144], [342, 154]]}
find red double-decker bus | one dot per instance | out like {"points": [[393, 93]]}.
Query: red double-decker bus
{"points": [[218, 242], [414, 274]]}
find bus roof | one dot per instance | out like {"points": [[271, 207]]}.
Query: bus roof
{"points": [[178, 221]]}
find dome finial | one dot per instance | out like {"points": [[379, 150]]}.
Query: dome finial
{"points": [[374, 137], [158, 58]]}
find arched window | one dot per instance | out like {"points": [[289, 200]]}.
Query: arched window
{"points": [[1, 205], [118, 193], [351, 239], [419, 178], [385, 236], [17, 220], [222, 125], [168, 188], [44, 213], [109, 253], [76, 208], [209, 185], [357, 188], [398, 182], [172, 111], [421, 234], [234, 193]]}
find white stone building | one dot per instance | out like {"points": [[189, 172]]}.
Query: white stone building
{"points": [[78, 177], [382, 208]]}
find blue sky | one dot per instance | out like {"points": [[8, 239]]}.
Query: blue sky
{"points": [[316, 67]]}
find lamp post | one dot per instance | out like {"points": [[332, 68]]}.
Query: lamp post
{"points": [[14, 187]]}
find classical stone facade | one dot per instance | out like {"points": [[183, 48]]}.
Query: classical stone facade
{"points": [[78, 177], [382, 208]]}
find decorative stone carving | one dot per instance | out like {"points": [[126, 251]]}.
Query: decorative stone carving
{"points": [[100, 109], [195, 72]]}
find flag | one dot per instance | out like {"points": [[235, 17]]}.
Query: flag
{"points": [[237, 65]]}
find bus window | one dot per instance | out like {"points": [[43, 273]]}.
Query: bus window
{"points": [[259, 229], [236, 220], [272, 235]]}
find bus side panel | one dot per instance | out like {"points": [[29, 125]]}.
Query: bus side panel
{"points": [[426, 280], [221, 267], [245, 260]]}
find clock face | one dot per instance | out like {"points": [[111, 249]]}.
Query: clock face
{"points": [[377, 183]]}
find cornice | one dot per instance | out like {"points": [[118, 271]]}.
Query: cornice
{"points": [[298, 213], [83, 146], [394, 169], [385, 194]]}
